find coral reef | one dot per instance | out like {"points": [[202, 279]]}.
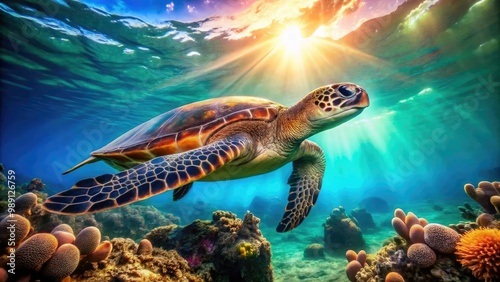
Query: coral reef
{"points": [[314, 251], [467, 212], [88, 239], [100, 253], [123, 264], [342, 232], [21, 230], [145, 247], [421, 255], [485, 220], [62, 263], [35, 185], [364, 219], [2, 176], [35, 251], [111, 223], [143, 218], [24, 203], [402, 224], [421, 252], [224, 249], [441, 238], [479, 250], [46, 256], [355, 263], [352, 268], [463, 227], [487, 194], [394, 277]]}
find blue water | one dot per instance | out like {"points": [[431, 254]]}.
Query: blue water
{"points": [[75, 78]]}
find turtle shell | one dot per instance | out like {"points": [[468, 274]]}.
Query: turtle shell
{"points": [[184, 128]]}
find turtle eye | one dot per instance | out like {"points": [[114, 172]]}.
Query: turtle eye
{"points": [[346, 91]]}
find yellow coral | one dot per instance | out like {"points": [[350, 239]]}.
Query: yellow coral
{"points": [[246, 250], [243, 251]]}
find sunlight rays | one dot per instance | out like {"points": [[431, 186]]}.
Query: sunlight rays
{"points": [[285, 67]]}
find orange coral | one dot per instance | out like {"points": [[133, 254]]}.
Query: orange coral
{"points": [[479, 250]]}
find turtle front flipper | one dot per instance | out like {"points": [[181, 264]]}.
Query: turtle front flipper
{"points": [[150, 178], [305, 184]]}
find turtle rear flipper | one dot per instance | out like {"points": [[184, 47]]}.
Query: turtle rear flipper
{"points": [[147, 179], [87, 161], [305, 184]]}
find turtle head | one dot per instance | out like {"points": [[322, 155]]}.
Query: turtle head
{"points": [[331, 105]]}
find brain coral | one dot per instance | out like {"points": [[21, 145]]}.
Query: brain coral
{"points": [[479, 250], [314, 251], [25, 202], [64, 237], [63, 227], [421, 255], [23, 227], [35, 251], [441, 238], [88, 239], [62, 263]]}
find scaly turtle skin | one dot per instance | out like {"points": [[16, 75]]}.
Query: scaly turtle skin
{"points": [[218, 139]]}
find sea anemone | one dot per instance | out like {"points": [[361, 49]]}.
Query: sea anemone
{"points": [[479, 250]]}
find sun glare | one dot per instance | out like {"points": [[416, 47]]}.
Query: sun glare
{"points": [[291, 35], [291, 39]]}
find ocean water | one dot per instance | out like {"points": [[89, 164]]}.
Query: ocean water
{"points": [[75, 77]]}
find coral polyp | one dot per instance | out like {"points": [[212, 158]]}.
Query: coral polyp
{"points": [[479, 250]]}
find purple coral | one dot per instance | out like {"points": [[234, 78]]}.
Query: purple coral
{"points": [[208, 245], [194, 260]]}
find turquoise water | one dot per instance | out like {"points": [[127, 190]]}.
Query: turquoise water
{"points": [[75, 78]]}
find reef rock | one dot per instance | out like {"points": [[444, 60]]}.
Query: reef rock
{"points": [[342, 232], [224, 249], [123, 264], [314, 251], [364, 219], [117, 222]]}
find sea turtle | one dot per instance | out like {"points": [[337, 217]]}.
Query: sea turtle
{"points": [[218, 139]]}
